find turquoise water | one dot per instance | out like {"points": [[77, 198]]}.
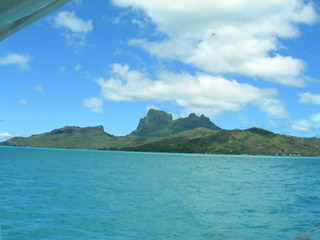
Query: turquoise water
{"points": [[73, 194]]}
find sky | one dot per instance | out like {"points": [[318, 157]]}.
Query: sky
{"points": [[243, 63]]}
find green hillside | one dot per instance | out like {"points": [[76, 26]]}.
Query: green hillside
{"points": [[253, 141], [158, 132], [67, 137]]}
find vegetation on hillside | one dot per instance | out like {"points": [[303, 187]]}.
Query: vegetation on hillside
{"points": [[157, 132]]}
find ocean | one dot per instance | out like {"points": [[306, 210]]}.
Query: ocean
{"points": [[81, 194]]}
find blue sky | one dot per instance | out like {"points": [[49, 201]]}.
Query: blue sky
{"points": [[242, 63]]}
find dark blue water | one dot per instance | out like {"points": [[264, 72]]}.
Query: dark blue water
{"points": [[72, 194]]}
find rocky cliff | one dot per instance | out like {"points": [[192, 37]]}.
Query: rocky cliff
{"points": [[159, 123]]}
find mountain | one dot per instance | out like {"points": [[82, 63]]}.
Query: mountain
{"points": [[159, 124], [158, 132]]}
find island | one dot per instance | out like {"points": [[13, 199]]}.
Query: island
{"points": [[158, 132]]}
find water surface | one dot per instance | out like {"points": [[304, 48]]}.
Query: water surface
{"points": [[73, 194]]}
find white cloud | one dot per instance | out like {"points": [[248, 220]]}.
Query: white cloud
{"points": [[75, 29], [315, 119], [95, 104], [301, 126], [273, 107], [138, 23], [307, 125], [21, 101], [308, 97], [77, 67], [200, 94], [6, 135], [218, 36], [22, 60], [39, 88]]}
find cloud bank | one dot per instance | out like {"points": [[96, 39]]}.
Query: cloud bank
{"points": [[223, 37], [203, 94]]}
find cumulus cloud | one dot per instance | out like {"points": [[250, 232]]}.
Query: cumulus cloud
{"points": [[22, 60], [308, 97], [301, 125], [200, 94], [74, 28], [217, 36], [307, 125], [273, 107], [95, 104]]}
